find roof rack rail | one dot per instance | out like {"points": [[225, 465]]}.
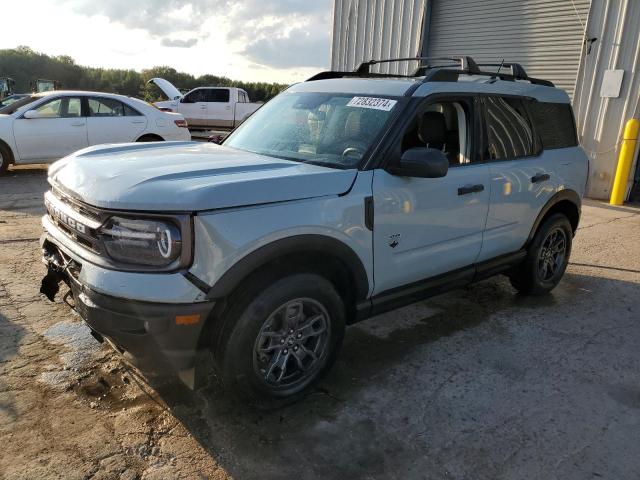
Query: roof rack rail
{"points": [[438, 69], [464, 63]]}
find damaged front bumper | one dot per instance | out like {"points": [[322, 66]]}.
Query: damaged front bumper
{"points": [[155, 337]]}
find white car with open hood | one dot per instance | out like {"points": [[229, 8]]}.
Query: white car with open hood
{"points": [[44, 127], [207, 107]]}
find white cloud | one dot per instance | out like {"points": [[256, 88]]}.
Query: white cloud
{"points": [[253, 40]]}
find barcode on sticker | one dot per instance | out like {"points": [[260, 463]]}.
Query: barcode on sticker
{"points": [[372, 102]]}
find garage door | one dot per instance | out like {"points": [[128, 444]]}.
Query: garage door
{"points": [[545, 36]]}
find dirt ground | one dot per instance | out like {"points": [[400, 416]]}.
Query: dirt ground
{"points": [[479, 383]]}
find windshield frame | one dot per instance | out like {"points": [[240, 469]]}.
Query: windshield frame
{"points": [[376, 144]]}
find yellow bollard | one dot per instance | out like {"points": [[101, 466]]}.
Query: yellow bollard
{"points": [[625, 160]]}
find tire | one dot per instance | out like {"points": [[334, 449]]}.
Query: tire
{"points": [[547, 257], [263, 362], [5, 159]]}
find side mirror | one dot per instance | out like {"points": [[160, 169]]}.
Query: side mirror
{"points": [[421, 162], [185, 100], [31, 114]]}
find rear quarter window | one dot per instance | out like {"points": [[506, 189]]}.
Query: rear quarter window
{"points": [[554, 123]]}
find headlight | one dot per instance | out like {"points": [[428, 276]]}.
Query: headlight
{"points": [[154, 243]]}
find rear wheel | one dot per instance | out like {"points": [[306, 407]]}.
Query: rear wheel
{"points": [[547, 257], [279, 338]]}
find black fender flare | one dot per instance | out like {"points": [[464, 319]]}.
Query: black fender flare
{"points": [[291, 245], [563, 195]]}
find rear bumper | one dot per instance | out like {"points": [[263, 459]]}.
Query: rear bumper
{"points": [[156, 337]]}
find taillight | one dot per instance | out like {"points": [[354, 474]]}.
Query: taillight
{"points": [[182, 123]]}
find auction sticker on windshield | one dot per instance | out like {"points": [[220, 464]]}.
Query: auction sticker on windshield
{"points": [[372, 102]]}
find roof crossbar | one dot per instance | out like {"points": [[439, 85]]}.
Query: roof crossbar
{"points": [[464, 63]]}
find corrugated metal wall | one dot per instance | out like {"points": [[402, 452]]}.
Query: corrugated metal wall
{"points": [[545, 36], [366, 29], [616, 26]]}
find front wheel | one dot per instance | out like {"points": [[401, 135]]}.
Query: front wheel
{"points": [[279, 338], [547, 257], [4, 160]]}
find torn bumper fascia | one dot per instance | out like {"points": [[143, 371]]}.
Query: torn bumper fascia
{"points": [[156, 337]]}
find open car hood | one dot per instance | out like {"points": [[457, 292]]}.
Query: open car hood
{"points": [[167, 87], [188, 177]]}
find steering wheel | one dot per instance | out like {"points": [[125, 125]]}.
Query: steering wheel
{"points": [[353, 150]]}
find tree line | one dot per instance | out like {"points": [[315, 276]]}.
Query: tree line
{"points": [[25, 66]]}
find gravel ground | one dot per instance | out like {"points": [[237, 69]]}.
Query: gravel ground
{"points": [[479, 383]]}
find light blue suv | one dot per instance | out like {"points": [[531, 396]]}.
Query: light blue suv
{"points": [[347, 195]]}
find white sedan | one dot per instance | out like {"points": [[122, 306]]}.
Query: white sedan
{"points": [[44, 127]]}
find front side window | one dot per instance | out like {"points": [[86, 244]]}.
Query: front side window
{"points": [[65, 107], [444, 126], [509, 133], [194, 97], [105, 107], [329, 129]]}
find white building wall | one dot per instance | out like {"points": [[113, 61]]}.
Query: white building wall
{"points": [[368, 29], [616, 26]]}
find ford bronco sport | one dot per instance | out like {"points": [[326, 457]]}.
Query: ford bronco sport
{"points": [[347, 195]]}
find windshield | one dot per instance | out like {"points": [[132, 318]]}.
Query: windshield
{"points": [[12, 107], [328, 129]]}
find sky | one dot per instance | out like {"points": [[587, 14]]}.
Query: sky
{"points": [[252, 40]]}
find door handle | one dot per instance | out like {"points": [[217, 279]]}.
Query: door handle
{"points": [[77, 124], [137, 121], [540, 177], [228, 107], [470, 189], [203, 107]]}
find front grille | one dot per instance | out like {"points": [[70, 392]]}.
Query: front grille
{"points": [[75, 220]]}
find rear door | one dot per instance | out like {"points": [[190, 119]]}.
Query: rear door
{"points": [[424, 227], [220, 112], [112, 121], [59, 130], [522, 178]]}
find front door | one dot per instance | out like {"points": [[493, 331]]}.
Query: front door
{"points": [[424, 227], [59, 130], [193, 108]]}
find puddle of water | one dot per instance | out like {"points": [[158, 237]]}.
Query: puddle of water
{"points": [[80, 345]]}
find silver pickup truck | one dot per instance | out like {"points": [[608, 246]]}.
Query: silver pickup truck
{"points": [[347, 195]]}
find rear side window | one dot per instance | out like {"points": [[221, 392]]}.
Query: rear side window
{"points": [[554, 123], [220, 95], [105, 107], [509, 132]]}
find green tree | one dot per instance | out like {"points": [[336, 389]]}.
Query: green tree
{"points": [[25, 65]]}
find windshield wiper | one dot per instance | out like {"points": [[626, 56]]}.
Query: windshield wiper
{"points": [[319, 163]]}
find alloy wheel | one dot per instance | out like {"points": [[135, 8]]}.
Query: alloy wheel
{"points": [[552, 254], [292, 343]]}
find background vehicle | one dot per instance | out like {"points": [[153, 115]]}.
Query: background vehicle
{"points": [[6, 87], [12, 98], [41, 85], [47, 126], [343, 197], [207, 107]]}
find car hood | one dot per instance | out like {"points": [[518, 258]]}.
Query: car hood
{"points": [[167, 87], [189, 176]]}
